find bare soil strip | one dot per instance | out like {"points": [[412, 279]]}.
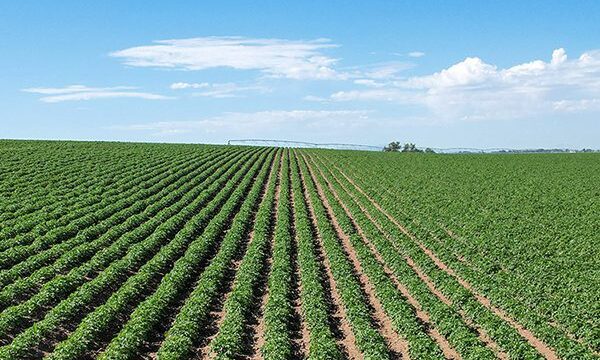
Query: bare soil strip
{"points": [[447, 349], [395, 342], [217, 313], [217, 316], [551, 322], [348, 341], [302, 342], [258, 329], [482, 334], [422, 315], [66, 330], [485, 338], [340, 328], [540, 346]]}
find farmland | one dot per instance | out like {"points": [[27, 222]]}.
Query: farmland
{"points": [[118, 251]]}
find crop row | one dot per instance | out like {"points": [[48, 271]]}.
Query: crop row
{"points": [[17, 253], [182, 337], [315, 307], [229, 342], [80, 251], [397, 249], [450, 325], [89, 212], [465, 301], [43, 220], [30, 174], [368, 339], [180, 259], [39, 198], [40, 201], [145, 240], [278, 310]]}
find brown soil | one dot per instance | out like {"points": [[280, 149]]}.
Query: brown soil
{"points": [[302, 344], [552, 323], [395, 342], [348, 341], [544, 349], [482, 334], [485, 338], [302, 341], [218, 315], [258, 329]]}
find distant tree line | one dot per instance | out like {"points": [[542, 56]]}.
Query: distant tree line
{"points": [[549, 151], [395, 146]]}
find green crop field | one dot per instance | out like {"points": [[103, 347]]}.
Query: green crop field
{"points": [[119, 251]]}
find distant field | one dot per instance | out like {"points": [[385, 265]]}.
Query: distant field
{"points": [[117, 251]]}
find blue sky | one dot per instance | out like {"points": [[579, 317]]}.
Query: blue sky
{"points": [[439, 73]]}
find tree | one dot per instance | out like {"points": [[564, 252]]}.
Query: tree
{"points": [[394, 146], [410, 147], [429, 151]]}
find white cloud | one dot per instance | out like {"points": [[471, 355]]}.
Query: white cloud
{"points": [[219, 90], [184, 85], [387, 94], [229, 90], [389, 70], [577, 105], [73, 89], [369, 83], [474, 89], [82, 92], [559, 56], [416, 54], [260, 124], [386, 70], [468, 72], [274, 57], [102, 95], [315, 98]]}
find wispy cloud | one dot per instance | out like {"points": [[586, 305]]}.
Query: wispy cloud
{"points": [[369, 83], [379, 94], [102, 95], [376, 76], [261, 123], [577, 105], [474, 89], [416, 54], [82, 92], [315, 98], [293, 59], [184, 85], [385, 70], [73, 89], [220, 90]]}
